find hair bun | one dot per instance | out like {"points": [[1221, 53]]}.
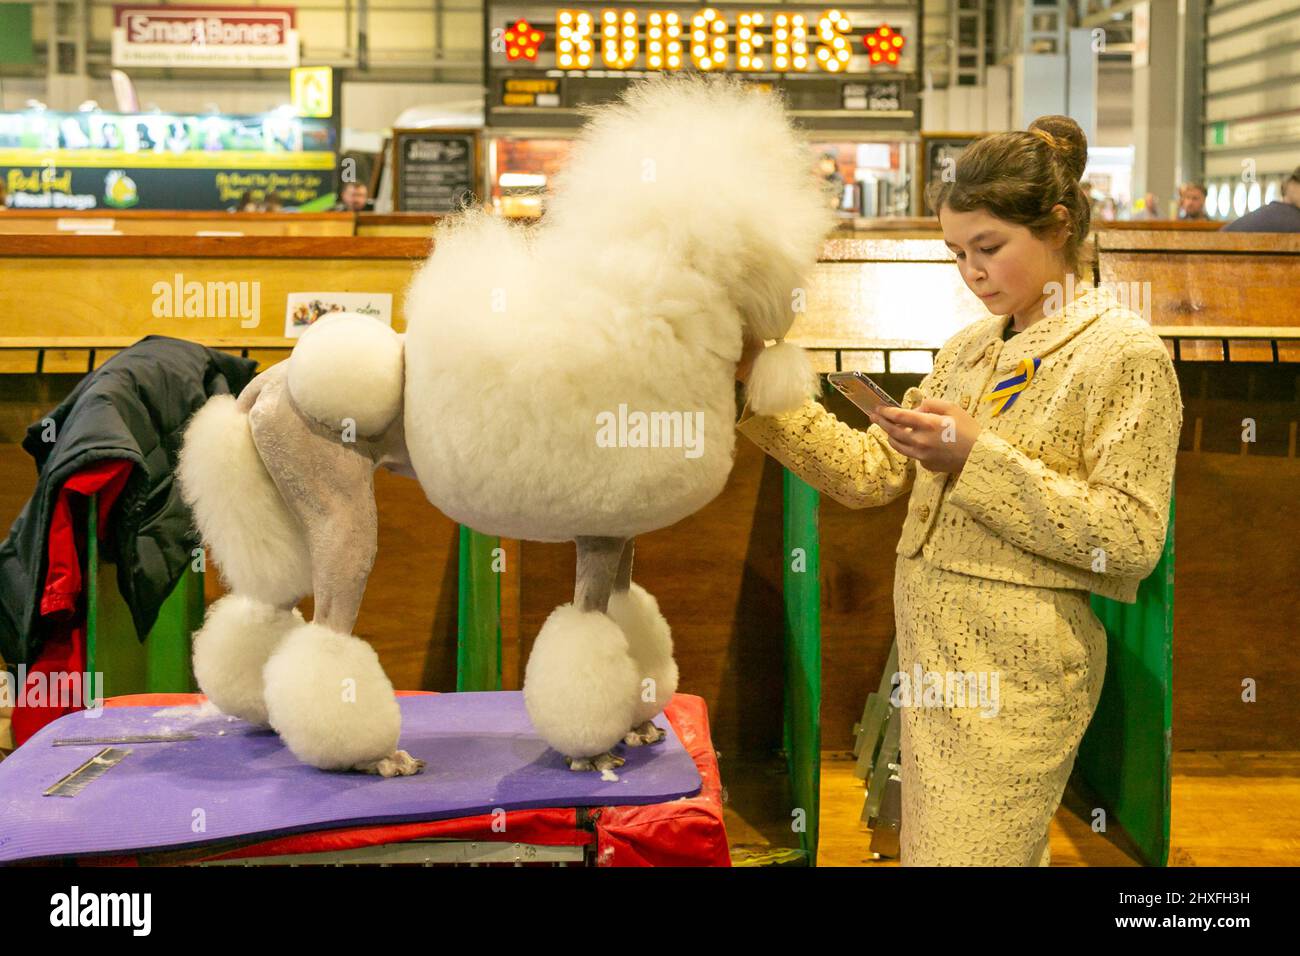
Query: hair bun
{"points": [[1067, 140]]}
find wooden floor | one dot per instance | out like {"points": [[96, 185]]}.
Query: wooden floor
{"points": [[1230, 808]]}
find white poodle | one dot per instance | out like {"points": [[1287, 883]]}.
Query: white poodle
{"points": [[569, 381]]}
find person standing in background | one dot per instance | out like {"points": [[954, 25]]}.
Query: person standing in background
{"points": [[353, 197], [1191, 202], [1150, 208], [834, 179], [1281, 215]]}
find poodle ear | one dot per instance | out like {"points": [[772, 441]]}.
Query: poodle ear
{"points": [[782, 379]]}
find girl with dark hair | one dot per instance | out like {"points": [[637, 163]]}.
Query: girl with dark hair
{"points": [[1039, 454]]}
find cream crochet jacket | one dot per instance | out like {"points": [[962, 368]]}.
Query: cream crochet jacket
{"points": [[1067, 488]]}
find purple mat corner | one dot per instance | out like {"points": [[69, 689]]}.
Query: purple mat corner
{"points": [[236, 781]]}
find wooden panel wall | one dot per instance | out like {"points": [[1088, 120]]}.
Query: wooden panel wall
{"points": [[717, 574], [1207, 279], [79, 287]]}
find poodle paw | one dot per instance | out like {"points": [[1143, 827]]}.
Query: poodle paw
{"points": [[602, 762], [645, 733], [397, 764]]}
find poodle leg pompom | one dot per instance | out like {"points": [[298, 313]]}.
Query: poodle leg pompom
{"points": [[580, 685], [650, 643], [331, 703], [238, 636]]}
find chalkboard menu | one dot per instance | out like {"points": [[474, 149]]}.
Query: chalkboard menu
{"points": [[939, 153], [435, 170]]}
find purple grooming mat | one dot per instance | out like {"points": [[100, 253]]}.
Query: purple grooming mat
{"points": [[237, 781]]}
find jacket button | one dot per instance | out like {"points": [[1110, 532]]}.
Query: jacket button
{"points": [[965, 402], [923, 512]]}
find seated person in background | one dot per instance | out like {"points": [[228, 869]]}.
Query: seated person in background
{"points": [[247, 203], [273, 204], [1191, 202], [353, 197], [1281, 215]]}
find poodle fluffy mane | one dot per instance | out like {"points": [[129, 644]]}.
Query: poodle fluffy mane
{"points": [[687, 212]]}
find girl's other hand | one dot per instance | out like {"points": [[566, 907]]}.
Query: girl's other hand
{"points": [[938, 434]]}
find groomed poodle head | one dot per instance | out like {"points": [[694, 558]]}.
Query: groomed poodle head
{"points": [[712, 168]]}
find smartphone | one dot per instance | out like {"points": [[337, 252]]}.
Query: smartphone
{"points": [[860, 390]]}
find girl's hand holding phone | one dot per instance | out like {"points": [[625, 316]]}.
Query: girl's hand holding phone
{"points": [[938, 434]]}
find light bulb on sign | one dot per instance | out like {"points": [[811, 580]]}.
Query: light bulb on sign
{"points": [[662, 46], [573, 43], [884, 46], [523, 41], [615, 55]]}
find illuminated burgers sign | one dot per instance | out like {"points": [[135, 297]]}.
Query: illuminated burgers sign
{"points": [[842, 68], [804, 39], [229, 37]]}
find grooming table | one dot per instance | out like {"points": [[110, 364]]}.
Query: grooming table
{"points": [[219, 790]]}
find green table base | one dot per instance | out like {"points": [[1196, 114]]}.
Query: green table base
{"points": [[159, 665], [478, 612], [803, 657], [1125, 759]]}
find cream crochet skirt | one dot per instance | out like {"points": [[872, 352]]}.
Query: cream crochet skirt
{"points": [[983, 771]]}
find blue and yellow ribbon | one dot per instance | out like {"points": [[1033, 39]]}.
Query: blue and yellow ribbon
{"points": [[1009, 389]]}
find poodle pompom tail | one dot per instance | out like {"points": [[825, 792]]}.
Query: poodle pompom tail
{"points": [[781, 380]]}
